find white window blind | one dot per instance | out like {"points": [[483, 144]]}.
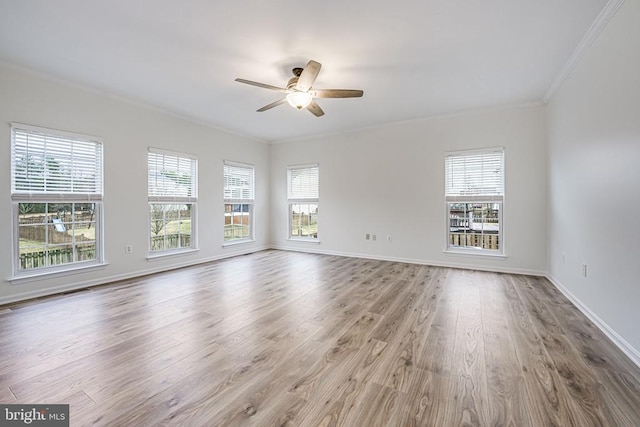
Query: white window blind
{"points": [[238, 182], [303, 183], [474, 175], [47, 162], [173, 177]]}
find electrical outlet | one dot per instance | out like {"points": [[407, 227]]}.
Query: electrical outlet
{"points": [[389, 239], [373, 237], [128, 249]]}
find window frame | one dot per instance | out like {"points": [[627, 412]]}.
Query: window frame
{"points": [[93, 195], [171, 198], [293, 200], [492, 196], [249, 200]]}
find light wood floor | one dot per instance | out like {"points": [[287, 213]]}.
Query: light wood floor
{"points": [[280, 338]]}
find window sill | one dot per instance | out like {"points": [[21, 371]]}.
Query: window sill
{"points": [[474, 253], [237, 242], [302, 239], [161, 255], [42, 274]]}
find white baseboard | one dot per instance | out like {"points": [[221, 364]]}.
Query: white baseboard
{"points": [[38, 293], [620, 342], [315, 250]]}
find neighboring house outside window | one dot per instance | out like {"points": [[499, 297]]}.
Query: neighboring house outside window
{"points": [[239, 196], [303, 199], [56, 192], [474, 195], [172, 198]]}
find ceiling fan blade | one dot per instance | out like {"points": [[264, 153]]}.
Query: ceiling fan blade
{"points": [[315, 109], [262, 85], [308, 76], [336, 93], [273, 104]]}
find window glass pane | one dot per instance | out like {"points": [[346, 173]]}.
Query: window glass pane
{"points": [[237, 221], [52, 234], [32, 246], [304, 220], [474, 225], [85, 251], [32, 254], [184, 224], [83, 230], [170, 226], [32, 213]]}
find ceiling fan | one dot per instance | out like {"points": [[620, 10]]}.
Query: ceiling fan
{"points": [[299, 92]]}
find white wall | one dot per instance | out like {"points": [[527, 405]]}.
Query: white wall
{"points": [[390, 181], [594, 180], [127, 130]]}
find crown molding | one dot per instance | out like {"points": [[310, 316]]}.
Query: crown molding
{"points": [[589, 38], [15, 67]]}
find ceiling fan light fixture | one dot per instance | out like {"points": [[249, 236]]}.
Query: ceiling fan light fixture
{"points": [[299, 100], [298, 90]]}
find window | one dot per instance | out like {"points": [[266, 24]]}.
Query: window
{"points": [[474, 193], [56, 191], [238, 202], [302, 190], [173, 197]]}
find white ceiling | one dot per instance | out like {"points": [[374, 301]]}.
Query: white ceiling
{"points": [[412, 58]]}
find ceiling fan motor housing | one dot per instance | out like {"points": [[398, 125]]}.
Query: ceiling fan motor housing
{"points": [[293, 81]]}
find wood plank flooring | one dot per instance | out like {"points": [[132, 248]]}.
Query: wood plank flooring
{"points": [[280, 338]]}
